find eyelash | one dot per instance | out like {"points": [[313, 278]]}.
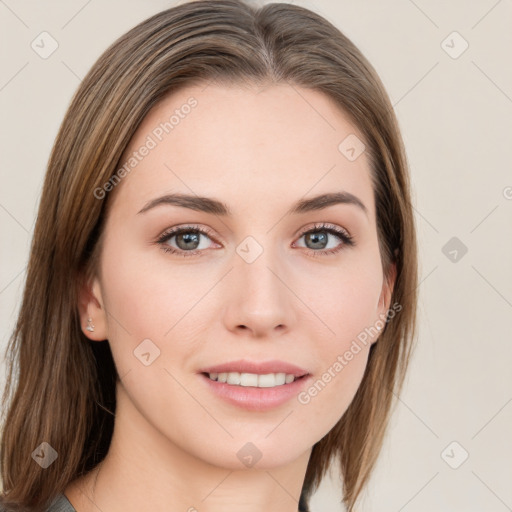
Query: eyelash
{"points": [[344, 236]]}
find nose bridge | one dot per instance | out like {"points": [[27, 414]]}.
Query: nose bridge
{"points": [[255, 269], [257, 297]]}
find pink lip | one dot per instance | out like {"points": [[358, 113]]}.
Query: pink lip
{"points": [[256, 399], [253, 398], [262, 368]]}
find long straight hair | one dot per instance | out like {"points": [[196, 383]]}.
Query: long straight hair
{"points": [[60, 386]]}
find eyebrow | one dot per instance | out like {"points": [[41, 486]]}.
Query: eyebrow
{"points": [[216, 207]]}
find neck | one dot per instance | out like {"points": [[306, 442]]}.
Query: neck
{"points": [[146, 470]]}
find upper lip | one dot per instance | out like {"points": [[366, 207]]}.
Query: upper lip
{"points": [[261, 367]]}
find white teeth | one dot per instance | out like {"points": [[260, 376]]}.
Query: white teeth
{"points": [[268, 380], [280, 378], [248, 379], [233, 378]]}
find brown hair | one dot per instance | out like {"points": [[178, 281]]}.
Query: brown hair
{"points": [[60, 386]]}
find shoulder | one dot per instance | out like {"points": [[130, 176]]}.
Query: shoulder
{"points": [[59, 504]]}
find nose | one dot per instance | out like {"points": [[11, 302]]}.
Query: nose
{"points": [[258, 299]]}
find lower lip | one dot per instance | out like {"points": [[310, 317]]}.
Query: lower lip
{"points": [[256, 399]]}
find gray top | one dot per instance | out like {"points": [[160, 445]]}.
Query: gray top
{"points": [[62, 504], [59, 504]]}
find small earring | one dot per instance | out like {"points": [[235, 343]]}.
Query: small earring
{"points": [[90, 326]]}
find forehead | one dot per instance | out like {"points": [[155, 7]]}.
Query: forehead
{"points": [[245, 145]]}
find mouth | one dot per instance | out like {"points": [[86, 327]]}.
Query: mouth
{"points": [[255, 386]]}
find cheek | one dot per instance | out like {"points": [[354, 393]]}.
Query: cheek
{"points": [[333, 388], [349, 307], [156, 322], [147, 298], [347, 301], [353, 307], [343, 360]]}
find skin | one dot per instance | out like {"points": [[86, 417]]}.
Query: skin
{"points": [[259, 150]]}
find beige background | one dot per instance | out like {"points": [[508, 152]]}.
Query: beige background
{"points": [[456, 117]]}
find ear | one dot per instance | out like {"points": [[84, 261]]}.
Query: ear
{"points": [[91, 307], [387, 289], [385, 298]]}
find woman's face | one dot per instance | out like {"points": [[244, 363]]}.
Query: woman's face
{"points": [[251, 284]]}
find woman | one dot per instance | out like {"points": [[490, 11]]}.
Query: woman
{"points": [[221, 294]]}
